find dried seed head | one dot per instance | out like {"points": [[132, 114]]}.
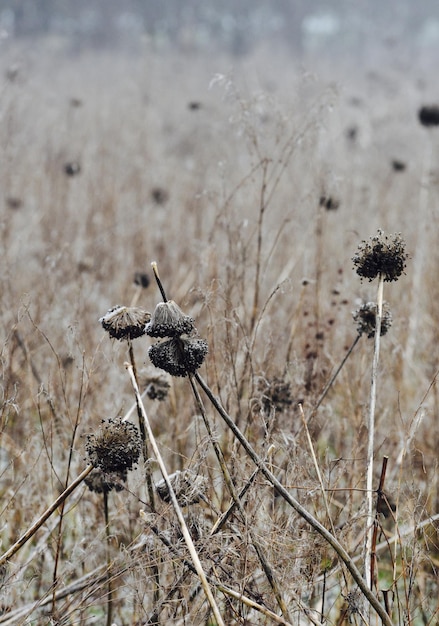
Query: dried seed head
{"points": [[179, 356], [276, 394], [168, 320], [115, 447], [123, 322], [429, 115], [189, 487], [365, 317], [101, 482], [382, 254]]}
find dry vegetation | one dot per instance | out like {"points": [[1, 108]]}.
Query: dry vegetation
{"points": [[252, 197]]}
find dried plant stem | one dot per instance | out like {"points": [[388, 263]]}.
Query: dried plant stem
{"points": [[108, 543], [237, 501], [184, 529], [380, 501], [45, 516], [371, 437], [310, 519]]}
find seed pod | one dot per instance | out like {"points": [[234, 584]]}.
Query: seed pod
{"points": [[382, 254], [115, 447], [179, 356], [123, 322], [168, 320]]}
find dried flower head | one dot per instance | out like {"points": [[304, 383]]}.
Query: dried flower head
{"points": [[188, 486], [102, 482], [382, 254], [141, 279], [168, 320], [429, 115], [365, 317], [179, 356], [123, 322], [115, 447], [276, 394]]}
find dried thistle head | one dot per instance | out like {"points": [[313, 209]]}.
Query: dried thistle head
{"points": [[365, 317], [188, 486], [275, 394], [123, 322], [102, 482], [114, 447], [179, 356], [382, 254], [168, 320]]}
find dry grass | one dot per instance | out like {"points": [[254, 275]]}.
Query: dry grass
{"points": [[246, 246]]}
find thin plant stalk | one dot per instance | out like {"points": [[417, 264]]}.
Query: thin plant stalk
{"points": [[370, 518], [184, 529], [306, 515], [108, 542], [30, 532]]}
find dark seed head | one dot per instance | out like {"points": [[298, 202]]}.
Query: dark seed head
{"points": [[188, 486], [101, 482], [179, 356], [122, 322], [365, 317], [168, 320], [115, 447], [382, 254], [429, 115]]}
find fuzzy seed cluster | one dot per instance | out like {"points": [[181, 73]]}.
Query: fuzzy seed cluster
{"points": [[115, 447], [365, 317], [188, 487], [182, 353], [124, 323], [382, 255]]}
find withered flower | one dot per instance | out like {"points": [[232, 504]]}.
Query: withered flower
{"points": [[115, 447], [123, 322], [102, 482], [168, 320], [179, 356], [188, 486], [365, 317], [382, 254]]}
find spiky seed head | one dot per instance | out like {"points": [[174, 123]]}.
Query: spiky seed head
{"points": [[168, 320], [123, 322], [382, 254], [188, 486], [179, 356], [102, 482], [114, 447], [365, 317]]}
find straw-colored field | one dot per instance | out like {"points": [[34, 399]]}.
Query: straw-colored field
{"points": [[251, 184]]}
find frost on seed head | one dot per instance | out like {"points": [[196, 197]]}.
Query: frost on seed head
{"points": [[382, 255]]}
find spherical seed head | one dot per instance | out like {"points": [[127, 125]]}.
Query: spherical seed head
{"points": [[382, 254], [429, 115], [123, 322], [115, 447], [188, 486], [168, 320], [179, 356], [365, 317], [101, 482]]}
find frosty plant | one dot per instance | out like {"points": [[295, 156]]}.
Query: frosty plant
{"points": [[382, 257]]}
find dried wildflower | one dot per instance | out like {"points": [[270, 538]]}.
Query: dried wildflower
{"points": [[188, 486], [329, 203], [159, 195], [115, 447], [168, 320], [123, 322], [72, 168], [102, 482], [354, 601], [398, 166], [276, 394], [429, 115], [141, 279], [365, 317], [382, 254], [179, 356]]}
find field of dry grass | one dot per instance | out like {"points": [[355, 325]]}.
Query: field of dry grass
{"points": [[251, 187]]}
